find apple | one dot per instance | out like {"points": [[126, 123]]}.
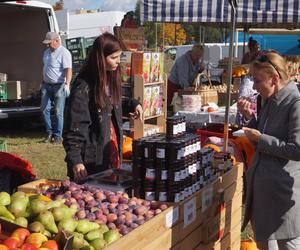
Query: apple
{"points": [[21, 233]]}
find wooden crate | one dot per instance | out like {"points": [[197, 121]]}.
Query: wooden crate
{"points": [[32, 187], [152, 230], [230, 241]]}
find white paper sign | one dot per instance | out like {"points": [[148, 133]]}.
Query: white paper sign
{"points": [[189, 212], [172, 217], [207, 198]]}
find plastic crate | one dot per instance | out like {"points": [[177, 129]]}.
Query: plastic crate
{"points": [[3, 146], [78, 54], [89, 41], [3, 91], [75, 43], [214, 129]]}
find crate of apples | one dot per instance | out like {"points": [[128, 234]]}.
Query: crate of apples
{"points": [[22, 239]]}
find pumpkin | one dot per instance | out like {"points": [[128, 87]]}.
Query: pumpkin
{"points": [[248, 244], [127, 147], [213, 146]]}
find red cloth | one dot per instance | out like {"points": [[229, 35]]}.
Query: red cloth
{"points": [[114, 147], [17, 164], [172, 88]]}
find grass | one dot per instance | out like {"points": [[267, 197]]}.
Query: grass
{"points": [[47, 160]]}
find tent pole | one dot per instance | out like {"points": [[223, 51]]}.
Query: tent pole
{"points": [[233, 4], [244, 42], [236, 43], [156, 37]]}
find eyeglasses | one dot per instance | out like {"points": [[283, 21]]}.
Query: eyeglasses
{"points": [[264, 58]]}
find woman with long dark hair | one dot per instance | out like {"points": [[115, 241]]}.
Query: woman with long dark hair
{"points": [[93, 126]]}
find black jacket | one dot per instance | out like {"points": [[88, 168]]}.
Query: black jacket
{"points": [[86, 134]]}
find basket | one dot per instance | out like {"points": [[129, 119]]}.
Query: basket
{"points": [[207, 93]]}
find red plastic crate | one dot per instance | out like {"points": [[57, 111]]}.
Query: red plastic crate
{"points": [[214, 129]]}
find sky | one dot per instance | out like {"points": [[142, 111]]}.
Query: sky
{"points": [[104, 5]]}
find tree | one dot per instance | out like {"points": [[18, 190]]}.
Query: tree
{"points": [[173, 34], [59, 5]]}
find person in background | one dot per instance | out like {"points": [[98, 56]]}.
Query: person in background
{"points": [[93, 123], [254, 49], [246, 90], [185, 70], [57, 76], [273, 180]]}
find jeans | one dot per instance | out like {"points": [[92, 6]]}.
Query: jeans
{"points": [[53, 96]]}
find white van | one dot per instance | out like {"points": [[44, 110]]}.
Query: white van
{"points": [[23, 25]]}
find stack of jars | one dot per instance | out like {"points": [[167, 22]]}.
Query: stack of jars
{"points": [[172, 166]]}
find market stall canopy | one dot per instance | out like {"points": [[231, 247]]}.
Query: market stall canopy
{"points": [[255, 13]]}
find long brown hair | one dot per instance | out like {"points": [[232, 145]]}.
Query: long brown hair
{"points": [[95, 72]]}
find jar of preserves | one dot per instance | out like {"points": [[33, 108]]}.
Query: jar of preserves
{"points": [[162, 170], [149, 189], [150, 170], [162, 191], [172, 127]]}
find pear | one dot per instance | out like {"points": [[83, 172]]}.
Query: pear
{"points": [[21, 221], [37, 206], [111, 236], [56, 203], [5, 213], [78, 241], [88, 247], [36, 227], [103, 228], [47, 234], [47, 219], [98, 244], [4, 199], [94, 234], [7, 219], [85, 226], [18, 206], [68, 224], [61, 213], [17, 195]]}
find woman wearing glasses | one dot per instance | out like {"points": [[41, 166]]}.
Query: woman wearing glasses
{"points": [[273, 181]]}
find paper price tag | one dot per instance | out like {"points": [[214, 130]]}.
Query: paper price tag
{"points": [[207, 198], [172, 217], [189, 212]]}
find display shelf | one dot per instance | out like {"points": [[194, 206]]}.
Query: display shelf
{"points": [[161, 103], [153, 83], [152, 117]]}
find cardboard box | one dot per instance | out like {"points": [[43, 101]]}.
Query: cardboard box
{"points": [[141, 65], [154, 67], [32, 187], [162, 67], [125, 64], [16, 90], [147, 101]]}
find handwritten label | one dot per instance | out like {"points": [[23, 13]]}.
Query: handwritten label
{"points": [[207, 198], [189, 212], [172, 217]]}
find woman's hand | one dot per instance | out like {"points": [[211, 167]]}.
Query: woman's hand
{"points": [[244, 106], [252, 134], [138, 113], [80, 172]]}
